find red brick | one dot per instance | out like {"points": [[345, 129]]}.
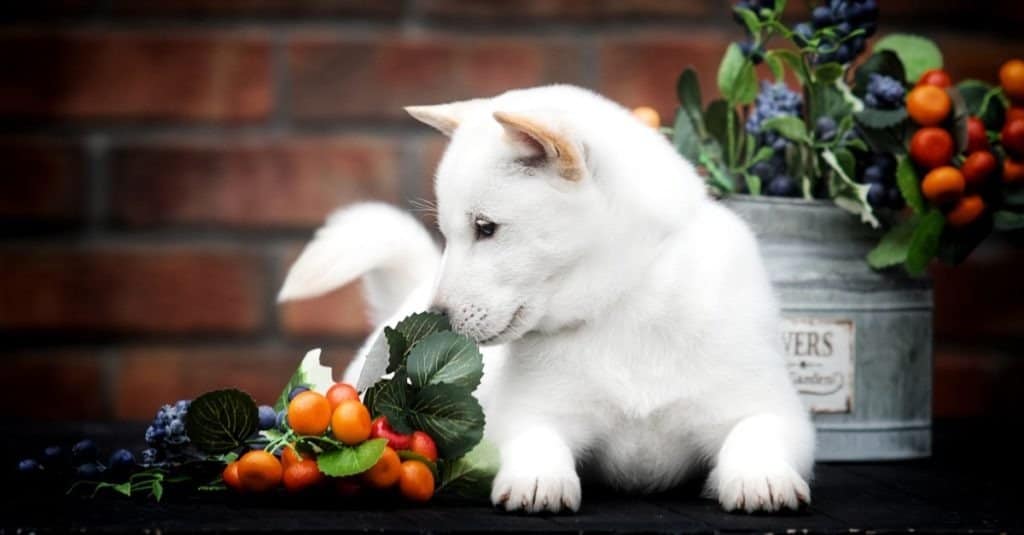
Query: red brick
{"points": [[387, 9], [250, 183], [42, 180], [131, 290], [980, 299], [70, 383], [135, 75], [643, 70], [563, 10], [339, 313], [148, 377], [374, 77]]}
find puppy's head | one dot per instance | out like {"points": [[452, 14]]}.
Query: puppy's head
{"points": [[519, 211]]}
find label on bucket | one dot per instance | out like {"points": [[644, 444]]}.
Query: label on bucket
{"points": [[819, 356]]}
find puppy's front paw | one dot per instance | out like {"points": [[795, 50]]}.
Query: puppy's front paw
{"points": [[765, 488], [551, 490]]}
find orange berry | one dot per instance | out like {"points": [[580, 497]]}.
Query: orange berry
{"points": [[1015, 112], [386, 472], [928, 105], [350, 422], [931, 147], [977, 167], [416, 481], [340, 392], [1011, 77], [977, 138], [936, 77], [648, 115], [423, 445], [302, 475], [943, 185], [230, 476], [290, 456], [309, 413], [1012, 137], [259, 471], [1013, 171], [966, 211]]}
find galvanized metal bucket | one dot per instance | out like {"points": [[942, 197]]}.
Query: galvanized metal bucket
{"points": [[858, 341]]}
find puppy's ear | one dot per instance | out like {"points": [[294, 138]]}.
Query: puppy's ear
{"points": [[544, 142], [444, 117]]}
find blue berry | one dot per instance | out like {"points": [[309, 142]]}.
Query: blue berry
{"points": [[53, 456], [84, 451], [150, 456], [821, 16], [825, 128], [296, 391], [267, 417], [89, 471], [877, 195], [28, 466], [886, 161], [873, 174], [763, 170], [894, 200], [884, 92], [782, 186], [773, 100], [121, 461], [755, 53]]}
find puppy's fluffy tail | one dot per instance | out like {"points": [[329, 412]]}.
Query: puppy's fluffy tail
{"points": [[388, 248]]}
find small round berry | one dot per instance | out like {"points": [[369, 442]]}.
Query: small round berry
{"points": [[825, 128], [89, 471], [267, 417], [874, 174], [28, 466], [121, 461], [877, 195], [84, 451], [53, 455], [296, 391], [894, 200], [782, 186]]}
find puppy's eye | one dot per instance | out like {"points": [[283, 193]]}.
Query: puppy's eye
{"points": [[484, 228]]}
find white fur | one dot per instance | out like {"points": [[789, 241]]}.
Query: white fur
{"points": [[640, 331]]}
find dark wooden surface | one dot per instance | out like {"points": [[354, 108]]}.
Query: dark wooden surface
{"points": [[971, 484]]}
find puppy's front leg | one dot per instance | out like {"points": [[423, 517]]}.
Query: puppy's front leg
{"points": [[537, 474], [758, 466]]}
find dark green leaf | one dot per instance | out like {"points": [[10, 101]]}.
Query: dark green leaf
{"points": [[1006, 220], [421, 325], [828, 73], [924, 243], [893, 248], [750, 19], [789, 126], [350, 461], [685, 137], [450, 415], [880, 119], [397, 347], [846, 161], [827, 100], [885, 140], [220, 421], [884, 62], [445, 357], [906, 179], [916, 53], [960, 115], [982, 101], [774, 64], [796, 64], [688, 91], [737, 80], [472, 474], [974, 92], [716, 118], [389, 397]]}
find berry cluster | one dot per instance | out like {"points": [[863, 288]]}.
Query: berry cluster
{"points": [[842, 17], [83, 462], [774, 100], [879, 172], [166, 435], [884, 92]]}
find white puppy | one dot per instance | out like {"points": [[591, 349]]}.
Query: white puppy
{"points": [[641, 335]]}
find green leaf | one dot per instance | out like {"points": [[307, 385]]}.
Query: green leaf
{"points": [[796, 64], [753, 183], [828, 73], [884, 62], [389, 397], [827, 100], [750, 19], [917, 54], [774, 64], [924, 243], [889, 140], [847, 162], [909, 184], [445, 358], [716, 118], [310, 374], [982, 101], [892, 249], [397, 347], [789, 126], [1006, 220], [472, 474], [421, 325], [688, 91], [737, 80], [157, 490], [220, 421], [685, 137], [881, 119], [450, 415], [350, 461]]}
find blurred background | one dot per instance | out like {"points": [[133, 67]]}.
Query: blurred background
{"points": [[163, 161]]}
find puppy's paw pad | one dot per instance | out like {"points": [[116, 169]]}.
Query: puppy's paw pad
{"points": [[537, 493], [764, 491]]}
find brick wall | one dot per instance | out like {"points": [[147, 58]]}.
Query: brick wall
{"points": [[166, 159]]}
